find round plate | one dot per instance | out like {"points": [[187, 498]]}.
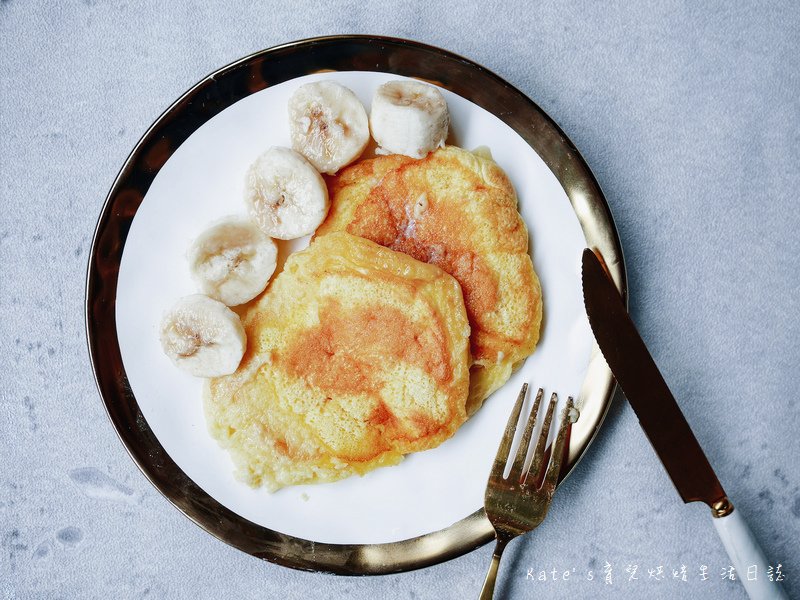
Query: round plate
{"points": [[393, 519]]}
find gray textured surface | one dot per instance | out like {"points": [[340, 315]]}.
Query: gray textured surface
{"points": [[689, 118]]}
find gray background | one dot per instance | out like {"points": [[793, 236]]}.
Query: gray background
{"points": [[689, 118]]}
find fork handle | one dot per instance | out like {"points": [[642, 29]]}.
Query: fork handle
{"points": [[487, 592]]}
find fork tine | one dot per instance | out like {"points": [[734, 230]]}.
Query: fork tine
{"points": [[538, 457], [499, 466], [517, 505], [517, 471], [551, 479]]}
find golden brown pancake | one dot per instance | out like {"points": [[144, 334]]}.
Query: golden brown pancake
{"points": [[458, 211], [356, 356]]}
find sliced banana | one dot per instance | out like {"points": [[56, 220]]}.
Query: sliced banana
{"points": [[285, 195], [328, 125], [409, 117], [232, 261], [203, 337]]}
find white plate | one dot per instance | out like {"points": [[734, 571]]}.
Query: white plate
{"points": [[202, 181]]}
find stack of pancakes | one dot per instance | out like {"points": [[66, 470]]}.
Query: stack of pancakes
{"points": [[414, 302]]}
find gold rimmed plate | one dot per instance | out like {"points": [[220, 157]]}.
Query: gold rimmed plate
{"points": [[188, 170]]}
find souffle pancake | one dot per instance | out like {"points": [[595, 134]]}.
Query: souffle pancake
{"points": [[356, 355], [456, 210]]}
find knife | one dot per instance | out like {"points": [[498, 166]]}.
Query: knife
{"points": [[666, 427]]}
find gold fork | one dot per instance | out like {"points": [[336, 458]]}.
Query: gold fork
{"points": [[517, 504]]}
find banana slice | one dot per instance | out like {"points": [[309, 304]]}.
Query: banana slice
{"points": [[328, 125], [285, 195], [409, 117], [232, 261], [203, 337]]}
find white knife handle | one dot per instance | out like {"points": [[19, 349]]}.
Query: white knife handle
{"points": [[747, 557]]}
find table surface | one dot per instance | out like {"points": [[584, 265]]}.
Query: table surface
{"points": [[688, 117]]}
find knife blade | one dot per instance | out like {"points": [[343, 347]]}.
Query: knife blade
{"points": [[666, 427]]}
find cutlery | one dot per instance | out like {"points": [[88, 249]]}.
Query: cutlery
{"points": [[518, 503], [666, 427]]}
